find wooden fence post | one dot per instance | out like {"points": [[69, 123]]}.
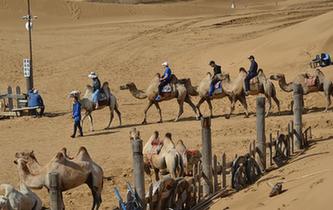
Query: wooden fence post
{"points": [[261, 138], [270, 149], [206, 156], [216, 183], [10, 98], [298, 109], [224, 171], [18, 93], [55, 194], [138, 167]]}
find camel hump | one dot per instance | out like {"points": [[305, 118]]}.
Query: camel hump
{"points": [[60, 157], [105, 84], [242, 69], [180, 142], [260, 71]]}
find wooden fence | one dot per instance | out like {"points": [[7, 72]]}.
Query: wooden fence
{"points": [[11, 100]]}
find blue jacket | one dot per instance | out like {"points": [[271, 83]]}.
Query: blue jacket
{"points": [[167, 73], [77, 111], [253, 68], [34, 99]]}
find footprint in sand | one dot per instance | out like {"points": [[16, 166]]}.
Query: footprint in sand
{"points": [[316, 183]]}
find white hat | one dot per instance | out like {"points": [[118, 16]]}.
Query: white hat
{"points": [[35, 91], [165, 64], [92, 75]]}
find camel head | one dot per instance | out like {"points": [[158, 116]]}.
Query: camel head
{"points": [[28, 157], [74, 93], [276, 77], [134, 134], [127, 86]]}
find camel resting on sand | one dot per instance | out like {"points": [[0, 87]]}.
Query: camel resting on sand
{"points": [[72, 172], [89, 106], [259, 85], [22, 199], [165, 158], [178, 91], [320, 84], [190, 157]]}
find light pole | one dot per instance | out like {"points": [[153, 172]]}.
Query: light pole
{"points": [[29, 77]]}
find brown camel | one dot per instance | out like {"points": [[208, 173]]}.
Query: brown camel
{"points": [[259, 85], [190, 157], [322, 84], [164, 159], [179, 92], [89, 106], [72, 173]]}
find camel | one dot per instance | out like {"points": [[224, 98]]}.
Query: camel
{"points": [[89, 106], [259, 85], [190, 157], [202, 92], [23, 199], [72, 173], [179, 91], [167, 159], [323, 85]]}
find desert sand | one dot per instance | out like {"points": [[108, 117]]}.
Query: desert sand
{"points": [[124, 42]]}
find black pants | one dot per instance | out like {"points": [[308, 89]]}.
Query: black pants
{"points": [[162, 84], [76, 126]]}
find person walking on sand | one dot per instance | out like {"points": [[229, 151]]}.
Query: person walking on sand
{"points": [[76, 116]]}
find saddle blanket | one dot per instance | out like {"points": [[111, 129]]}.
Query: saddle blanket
{"points": [[254, 80], [167, 89], [311, 81], [218, 88]]}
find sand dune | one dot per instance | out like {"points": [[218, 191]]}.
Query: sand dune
{"points": [[125, 42]]}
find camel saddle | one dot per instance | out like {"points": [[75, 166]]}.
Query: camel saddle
{"points": [[311, 81], [167, 88], [156, 146], [254, 83], [102, 99]]}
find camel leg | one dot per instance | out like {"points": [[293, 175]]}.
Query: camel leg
{"points": [[159, 111], [269, 99], [111, 118], [277, 103], [189, 102], [116, 109], [157, 177], [84, 117], [232, 106], [328, 102], [150, 103], [181, 109], [209, 102], [91, 122], [242, 100], [199, 104]]}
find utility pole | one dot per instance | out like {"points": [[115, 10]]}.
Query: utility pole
{"points": [[29, 75]]}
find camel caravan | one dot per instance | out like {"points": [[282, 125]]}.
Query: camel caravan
{"points": [[165, 162]]}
